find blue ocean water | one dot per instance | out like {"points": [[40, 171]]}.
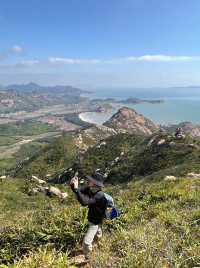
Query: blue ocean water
{"points": [[180, 104]]}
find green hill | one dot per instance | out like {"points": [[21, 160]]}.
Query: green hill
{"points": [[160, 217], [127, 155]]}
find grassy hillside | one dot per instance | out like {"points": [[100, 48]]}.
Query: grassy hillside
{"points": [[159, 227], [127, 155], [59, 154], [160, 221], [121, 156]]}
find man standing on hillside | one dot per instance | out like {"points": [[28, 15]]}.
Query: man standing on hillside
{"points": [[93, 197]]}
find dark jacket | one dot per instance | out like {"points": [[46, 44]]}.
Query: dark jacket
{"points": [[96, 203]]}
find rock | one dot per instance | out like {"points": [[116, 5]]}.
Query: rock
{"points": [[117, 159], [54, 191], [64, 195], [194, 175], [49, 191], [80, 260], [38, 180], [103, 143], [170, 178], [43, 189], [161, 142], [3, 177], [34, 191], [128, 120]]}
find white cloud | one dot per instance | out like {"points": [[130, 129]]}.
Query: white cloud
{"points": [[10, 51], [163, 58], [28, 63], [144, 58], [52, 61], [16, 49], [73, 61]]}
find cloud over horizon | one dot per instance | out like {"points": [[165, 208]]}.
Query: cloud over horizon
{"points": [[16, 49], [61, 61], [144, 58]]}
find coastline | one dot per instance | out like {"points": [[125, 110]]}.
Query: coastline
{"points": [[171, 111], [81, 116]]}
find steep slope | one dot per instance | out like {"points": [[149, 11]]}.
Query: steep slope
{"points": [[128, 155], [158, 227], [128, 120], [159, 222]]}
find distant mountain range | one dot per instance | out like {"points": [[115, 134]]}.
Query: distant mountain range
{"points": [[30, 87], [30, 97]]}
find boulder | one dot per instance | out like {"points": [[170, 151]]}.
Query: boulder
{"points": [[170, 178], [42, 189], [64, 195], [193, 175], [38, 180], [54, 191], [49, 191], [117, 159]]}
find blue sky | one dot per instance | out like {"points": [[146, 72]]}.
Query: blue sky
{"points": [[94, 44]]}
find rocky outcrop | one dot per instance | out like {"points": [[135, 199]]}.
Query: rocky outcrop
{"points": [[92, 136], [49, 191], [36, 179], [128, 120]]}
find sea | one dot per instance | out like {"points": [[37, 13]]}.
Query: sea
{"points": [[181, 104]]}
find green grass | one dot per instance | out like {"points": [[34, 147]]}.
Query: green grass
{"points": [[6, 164], [160, 221], [52, 158], [27, 128], [159, 227], [5, 141]]}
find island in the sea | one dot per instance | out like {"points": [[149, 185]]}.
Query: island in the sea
{"points": [[138, 101], [130, 100]]}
